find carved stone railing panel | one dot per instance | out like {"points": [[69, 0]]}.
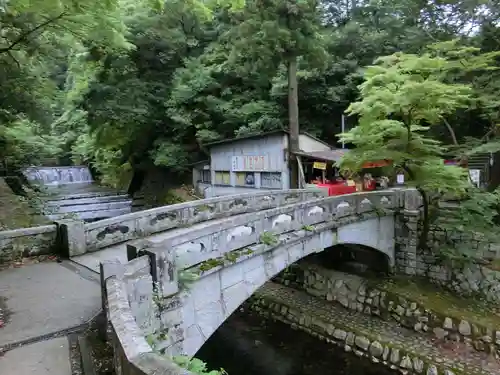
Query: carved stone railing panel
{"points": [[81, 238], [216, 240]]}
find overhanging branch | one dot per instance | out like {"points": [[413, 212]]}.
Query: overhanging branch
{"points": [[25, 36]]}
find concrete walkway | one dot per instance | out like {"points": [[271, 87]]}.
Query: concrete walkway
{"points": [[44, 303]]}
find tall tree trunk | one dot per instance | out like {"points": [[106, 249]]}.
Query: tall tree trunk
{"points": [[293, 120]]}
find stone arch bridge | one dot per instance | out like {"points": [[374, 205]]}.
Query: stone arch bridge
{"points": [[179, 290]]}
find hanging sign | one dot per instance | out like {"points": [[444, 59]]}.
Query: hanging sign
{"points": [[319, 165], [376, 164], [244, 163]]}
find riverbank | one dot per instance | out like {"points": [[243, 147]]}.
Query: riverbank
{"points": [[248, 344]]}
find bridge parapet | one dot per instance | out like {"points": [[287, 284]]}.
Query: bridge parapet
{"points": [[81, 238], [232, 259], [133, 355], [262, 228]]}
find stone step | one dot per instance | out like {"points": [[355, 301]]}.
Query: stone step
{"points": [[78, 201], [382, 341], [53, 196], [91, 215], [89, 207]]}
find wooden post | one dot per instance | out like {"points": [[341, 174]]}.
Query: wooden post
{"points": [[302, 177]]}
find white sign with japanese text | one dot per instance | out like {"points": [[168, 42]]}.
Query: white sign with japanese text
{"points": [[249, 163]]}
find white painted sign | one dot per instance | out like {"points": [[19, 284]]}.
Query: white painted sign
{"points": [[271, 180], [400, 179], [249, 163], [475, 176]]}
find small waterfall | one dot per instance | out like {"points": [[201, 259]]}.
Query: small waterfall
{"points": [[58, 175], [71, 193]]}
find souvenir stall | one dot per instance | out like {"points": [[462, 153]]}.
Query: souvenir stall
{"points": [[319, 170]]}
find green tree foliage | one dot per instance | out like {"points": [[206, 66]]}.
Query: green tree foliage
{"points": [[36, 40], [402, 98], [124, 85]]}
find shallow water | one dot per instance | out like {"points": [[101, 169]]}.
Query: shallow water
{"points": [[248, 344]]}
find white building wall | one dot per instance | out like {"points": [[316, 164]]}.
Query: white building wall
{"points": [[271, 147]]}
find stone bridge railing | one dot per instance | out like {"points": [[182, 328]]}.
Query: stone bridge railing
{"points": [[133, 354], [80, 238], [74, 237], [149, 301]]}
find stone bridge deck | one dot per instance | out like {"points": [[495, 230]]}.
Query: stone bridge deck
{"points": [[233, 257], [174, 274]]}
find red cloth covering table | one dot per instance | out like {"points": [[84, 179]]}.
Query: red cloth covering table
{"points": [[337, 188]]}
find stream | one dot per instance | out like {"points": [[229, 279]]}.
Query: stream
{"points": [[248, 344]]}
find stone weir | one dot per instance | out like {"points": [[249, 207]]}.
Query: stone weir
{"points": [[71, 193]]}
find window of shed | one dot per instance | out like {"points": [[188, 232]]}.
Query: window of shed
{"points": [[222, 178], [205, 176], [245, 179], [271, 180]]}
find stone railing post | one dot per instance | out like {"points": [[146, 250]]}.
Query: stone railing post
{"points": [[163, 267], [71, 235], [406, 232], [107, 269]]}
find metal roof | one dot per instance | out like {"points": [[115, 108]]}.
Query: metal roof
{"points": [[330, 155], [260, 135]]}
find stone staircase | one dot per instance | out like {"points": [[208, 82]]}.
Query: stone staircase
{"points": [[71, 193]]}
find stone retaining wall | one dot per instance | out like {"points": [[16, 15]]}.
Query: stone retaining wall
{"points": [[393, 357], [355, 293], [25, 242], [465, 279]]}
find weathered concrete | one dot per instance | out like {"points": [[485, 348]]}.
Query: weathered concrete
{"points": [[118, 252], [26, 242], [206, 273], [236, 259], [45, 298], [42, 358], [108, 232], [133, 355]]}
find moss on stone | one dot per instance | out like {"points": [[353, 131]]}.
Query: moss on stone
{"points": [[230, 258], [15, 211], [269, 238], [266, 307], [210, 263], [474, 310]]}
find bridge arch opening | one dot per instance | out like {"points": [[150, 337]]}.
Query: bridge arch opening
{"points": [[353, 258], [237, 337], [216, 295]]}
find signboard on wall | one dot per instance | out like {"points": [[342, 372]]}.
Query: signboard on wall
{"points": [[249, 163], [319, 165], [271, 180]]}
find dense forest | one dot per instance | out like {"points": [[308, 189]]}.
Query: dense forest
{"points": [[123, 85]]}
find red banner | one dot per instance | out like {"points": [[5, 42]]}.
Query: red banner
{"points": [[376, 164]]}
